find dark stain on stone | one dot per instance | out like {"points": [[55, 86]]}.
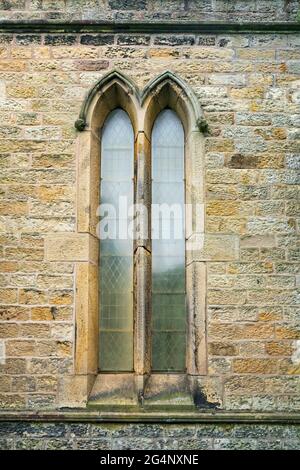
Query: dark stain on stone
{"points": [[240, 161], [54, 312], [200, 400], [223, 42]]}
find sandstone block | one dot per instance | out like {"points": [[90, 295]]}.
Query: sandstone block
{"points": [[71, 247], [255, 366], [210, 247], [73, 391], [20, 348]]}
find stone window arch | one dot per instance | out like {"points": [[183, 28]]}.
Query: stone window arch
{"points": [[140, 387]]}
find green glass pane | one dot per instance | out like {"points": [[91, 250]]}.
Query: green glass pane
{"points": [[168, 312], [116, 351], [168, 274], [116, 255], [168, 211], [168, 351]]}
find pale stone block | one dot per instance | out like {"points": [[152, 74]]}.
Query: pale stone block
{"points": [[227, 79], [86, 318], [212, 247], [73, 391], [142, 341], [88, 169], [143, 191], [2, 91], [71, 247], [256, 241], [194, 219], [114, 389], [168, 390], [194, 164]]}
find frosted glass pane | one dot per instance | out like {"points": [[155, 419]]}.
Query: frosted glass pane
{"points": [[117, 351], [112, 190], [116, 255], [117, 147], [168, 245], [171, 192]]}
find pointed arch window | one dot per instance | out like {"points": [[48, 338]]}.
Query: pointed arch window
{"points": [[116, 253], [142, 333], [168, 244]]}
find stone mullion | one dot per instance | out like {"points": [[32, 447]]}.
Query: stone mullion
{"points": [[142, 262], [196, 333], [196, 352]]}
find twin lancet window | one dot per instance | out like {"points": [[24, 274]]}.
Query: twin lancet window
{"points": [[167, 292]]}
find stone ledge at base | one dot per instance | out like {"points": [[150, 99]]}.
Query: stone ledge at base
{"points": [[95, 416], [149, 27]]}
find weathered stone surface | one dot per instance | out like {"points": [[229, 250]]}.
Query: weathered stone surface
{"points": [[73, 391], [212, 247], [58, 40], [96, 39], [71, 247], [243, 265], [128, 40], [198, 10], [60, 435], [179, 40]]}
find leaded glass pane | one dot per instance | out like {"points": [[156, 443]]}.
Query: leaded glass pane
{"points": [[116, 350], [116, 273], [168, 351], [170, 308], [168, 245], [116, 252]]}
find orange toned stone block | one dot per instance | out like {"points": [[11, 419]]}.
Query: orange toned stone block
{"points": [[255, 366], [32, 296], [63, 297], [8, 266], [279, 348], [51, 313], [287, 331]]}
